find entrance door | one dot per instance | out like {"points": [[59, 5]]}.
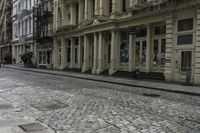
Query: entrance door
{"points": [[140, 56], [185, 65], [158, 55]]}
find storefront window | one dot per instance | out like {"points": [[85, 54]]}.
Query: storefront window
{"points": [[163, 51], [155, 52], [48, 57], [76, 55], [109, 53], [44, 57], [144, 52], [124, 56], [137, 53], [40, 57]]}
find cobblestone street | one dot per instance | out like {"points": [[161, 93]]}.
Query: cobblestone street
{"points": [[70, 105]]}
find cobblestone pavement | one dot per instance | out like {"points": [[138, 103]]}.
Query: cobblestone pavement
{"points": [[82, 106]]}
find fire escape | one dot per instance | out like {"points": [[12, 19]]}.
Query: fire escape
{"points": [[5, 28], [43, 22]]}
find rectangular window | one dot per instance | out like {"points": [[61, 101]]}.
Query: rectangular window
{"points": [[185, 24], [185, 39], [110, 6], [123, 5]]}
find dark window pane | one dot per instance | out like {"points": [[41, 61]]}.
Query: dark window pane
{"points": [[124, 35], [160, 30], [48, 57], [76, 55], [185, 24], [185, 39], [109, 53], [110, 6], [141, 32]]}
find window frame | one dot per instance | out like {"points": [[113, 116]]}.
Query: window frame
{"points": [[186, 32]]}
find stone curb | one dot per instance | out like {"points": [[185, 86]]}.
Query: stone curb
{"points": [[110, 82]]}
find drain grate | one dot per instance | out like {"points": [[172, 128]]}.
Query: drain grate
{"points": [[32, 127], [50, 106], [150, 95]]}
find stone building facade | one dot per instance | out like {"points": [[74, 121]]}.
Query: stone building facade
{"points": [[5, 29], [43, 32], [22, 23], [158, 37]]}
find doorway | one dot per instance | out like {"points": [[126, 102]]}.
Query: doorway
{"points": [[140, 54], [185, 65], [158, 55]]}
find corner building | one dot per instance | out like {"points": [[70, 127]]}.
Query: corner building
{"points": [[22, 23], [161, 38]]}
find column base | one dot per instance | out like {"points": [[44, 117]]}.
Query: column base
{"points": [[111, 72], [99, 71], [168, 76], [94, 71], [84, 69], [197, 79]]}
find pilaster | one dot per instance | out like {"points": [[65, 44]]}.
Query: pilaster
{"points": [[101, 7], [169, 44], [13, 54], [73, 14], [197, 51], [114, 9], [100, 59], [96, 7], [86, 10], [148, 48], [62, 52], [81, 10], [79, 52], [130, 53], [113, 53], [86, 54], [72, 61], [95, 62], [55, 55]]}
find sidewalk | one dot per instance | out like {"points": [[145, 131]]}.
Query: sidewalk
{"points": [[162, 86], [12, 118]]}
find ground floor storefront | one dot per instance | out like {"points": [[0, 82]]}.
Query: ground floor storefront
{"points": [[44, 55], [20, 49], [166, 44]]}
